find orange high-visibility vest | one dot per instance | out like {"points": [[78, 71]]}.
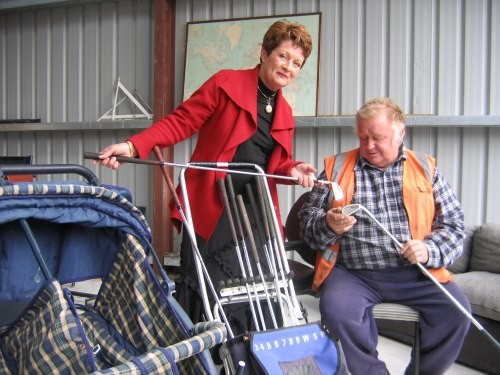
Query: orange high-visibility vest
{"points": [[418, 171]]}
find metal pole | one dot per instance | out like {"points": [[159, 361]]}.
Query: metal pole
{"points": [[232, 229], [354, 207], [206, 166]]}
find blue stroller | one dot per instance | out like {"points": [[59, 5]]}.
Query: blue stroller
{"points": [[55, 234]]}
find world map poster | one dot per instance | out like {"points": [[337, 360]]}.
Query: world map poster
{"points": [[236, 44]]}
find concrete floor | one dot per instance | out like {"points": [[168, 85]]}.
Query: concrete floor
{"points": [[394, 354]]}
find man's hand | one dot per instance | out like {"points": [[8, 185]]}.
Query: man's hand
{"points": [[415, 251], [338, 222]]}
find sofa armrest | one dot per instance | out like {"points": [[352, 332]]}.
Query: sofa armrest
{"points": [[462, 263]]}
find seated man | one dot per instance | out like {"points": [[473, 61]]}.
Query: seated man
{"points": [[408, 195]]}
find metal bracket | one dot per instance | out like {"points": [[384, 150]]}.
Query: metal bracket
{"points": [[133, 99]]}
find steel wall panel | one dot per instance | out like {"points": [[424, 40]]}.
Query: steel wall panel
{"points": [[450, 49], [476, 40], [330, 56], [474, 181], [352, 51], [396, 64], [27, 45], [375, 45], [61, 64], [494, 84], [107, 62], [424, 57], [42, 66], [12, 72], [62, 147], [434, 57], [430, 56], [74, 79], [491, 199]]}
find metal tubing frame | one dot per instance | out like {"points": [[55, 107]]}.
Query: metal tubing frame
{"points": [[295, 311]]}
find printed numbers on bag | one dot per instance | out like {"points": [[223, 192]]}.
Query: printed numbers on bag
{"points": [[288, 341]]}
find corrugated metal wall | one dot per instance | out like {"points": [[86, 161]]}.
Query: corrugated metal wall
{"points": [[60, 64], [434, 57]]}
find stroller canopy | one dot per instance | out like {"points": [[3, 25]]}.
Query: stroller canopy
{"points": [[77, 226]]}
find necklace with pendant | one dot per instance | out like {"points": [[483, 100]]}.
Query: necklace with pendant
{"points": [[269, 107]]}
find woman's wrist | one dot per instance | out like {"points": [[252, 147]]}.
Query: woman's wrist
{"points": [[132, 149]]}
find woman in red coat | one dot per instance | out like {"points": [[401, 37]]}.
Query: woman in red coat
{"points": [[240, 116]]}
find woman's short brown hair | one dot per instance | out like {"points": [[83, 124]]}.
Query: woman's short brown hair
{"points": [[283, 30]]}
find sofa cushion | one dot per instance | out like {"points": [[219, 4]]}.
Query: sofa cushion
{"points": [[462, 263], [481, 288], [486, 249]]}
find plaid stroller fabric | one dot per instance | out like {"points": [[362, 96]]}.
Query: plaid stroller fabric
{"points": [[52, 235], [48, 338], [132, 315]]}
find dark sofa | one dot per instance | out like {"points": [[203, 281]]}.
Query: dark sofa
{"points": [[477, 272]]}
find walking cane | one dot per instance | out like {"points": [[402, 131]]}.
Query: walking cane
{"points": [[352, 208]]}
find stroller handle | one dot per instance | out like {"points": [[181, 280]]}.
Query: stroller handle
{"points": [[38, 169]]}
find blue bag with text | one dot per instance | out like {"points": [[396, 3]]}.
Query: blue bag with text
{"points": [[304, 349]]}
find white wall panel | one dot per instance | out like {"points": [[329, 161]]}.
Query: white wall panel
{"points": [[476, 57], [425, 36], [352, 54], [491, 199], [375, 43], [434, 57], [61, 64], [450, 68], [398, 53], [494, 47]]}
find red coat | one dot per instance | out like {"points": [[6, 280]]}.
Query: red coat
{"points": [[224, 112]]}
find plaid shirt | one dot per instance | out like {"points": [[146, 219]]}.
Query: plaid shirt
{"points": [[365, 245]]}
